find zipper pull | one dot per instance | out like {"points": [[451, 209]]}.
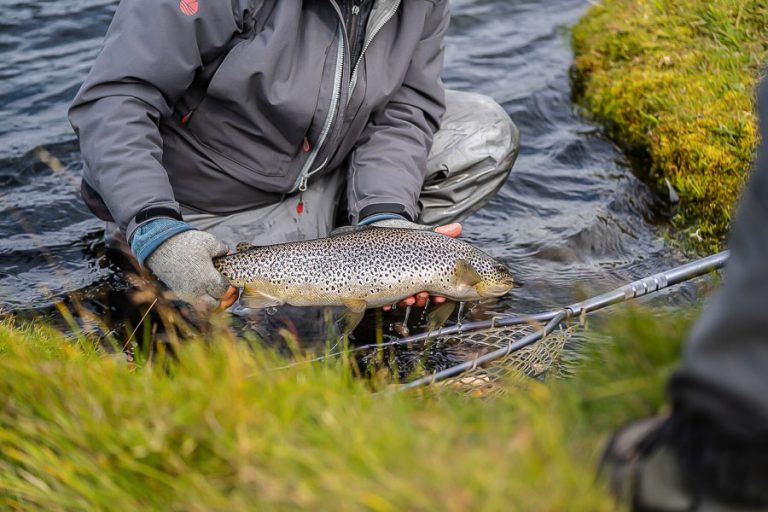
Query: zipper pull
{"points": [[306, 146], [186, 117], [302, 188], [356, 7]]}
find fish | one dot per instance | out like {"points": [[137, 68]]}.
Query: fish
{"points": [[363, 267]]}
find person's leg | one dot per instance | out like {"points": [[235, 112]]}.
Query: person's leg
{"points": [[721, 389], [711, 454], [280, 222], [472, 155]]}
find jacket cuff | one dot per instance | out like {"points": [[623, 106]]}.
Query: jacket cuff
{"points": [[380, 216], [168, 209], [383, 211], [151, 235]]}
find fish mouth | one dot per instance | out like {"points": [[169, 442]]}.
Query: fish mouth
{"points": [[497, 289]]}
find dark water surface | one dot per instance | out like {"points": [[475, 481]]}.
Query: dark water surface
{"points": [[572, 219]]}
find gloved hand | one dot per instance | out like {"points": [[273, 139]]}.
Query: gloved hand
{"points": [[180, 256]]}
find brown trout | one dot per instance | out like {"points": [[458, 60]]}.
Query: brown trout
{"points": [[361, 268]]}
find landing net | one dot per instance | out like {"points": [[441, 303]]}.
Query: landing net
{"points": [[493, 351], [534, 361], [481, 358]]}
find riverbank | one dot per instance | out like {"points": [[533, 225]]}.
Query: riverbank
{"points": [[673, 83], [218, 428]]}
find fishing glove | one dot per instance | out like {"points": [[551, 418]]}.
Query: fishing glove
{"points": [[180, 256]]}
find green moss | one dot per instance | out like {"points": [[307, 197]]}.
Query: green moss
{"points": [[673, 82], [220, 429]]}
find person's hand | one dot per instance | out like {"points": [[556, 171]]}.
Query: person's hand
{"points": [[184, 263], [420, 299]]}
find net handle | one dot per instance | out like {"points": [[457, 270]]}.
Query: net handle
{"points": [[632, 290]]}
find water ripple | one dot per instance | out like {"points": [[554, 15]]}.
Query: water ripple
{"points": [[571, 220]]}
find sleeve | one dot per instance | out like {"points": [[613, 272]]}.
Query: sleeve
{"points": [[386, 170], [151, 55]]}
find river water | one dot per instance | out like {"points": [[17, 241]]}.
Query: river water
{"points": [[572, 219]]}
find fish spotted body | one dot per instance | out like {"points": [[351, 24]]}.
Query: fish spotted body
{"points": [[363, 268]]}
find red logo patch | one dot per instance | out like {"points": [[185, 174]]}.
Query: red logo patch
{"points": [[188, 7]]}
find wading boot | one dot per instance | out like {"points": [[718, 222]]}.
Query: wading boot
{"points": [[658, 465]]}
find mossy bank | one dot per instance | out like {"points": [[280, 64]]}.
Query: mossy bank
{"points": [[673, 82]]}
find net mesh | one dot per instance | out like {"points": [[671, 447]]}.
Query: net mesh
{"points": [[441, 352]]}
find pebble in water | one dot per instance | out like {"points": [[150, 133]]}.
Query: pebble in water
{"points": [[401, 329]]}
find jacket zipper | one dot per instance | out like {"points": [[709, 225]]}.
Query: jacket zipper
{"points": [[353, 29], [306, 170], [301, 182], [368, 40]]}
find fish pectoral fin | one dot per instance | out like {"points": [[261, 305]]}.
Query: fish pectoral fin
{"points": [[466, 274], [244, 246], [350, 320], [353, 315], [254, 299], [438, 316]]}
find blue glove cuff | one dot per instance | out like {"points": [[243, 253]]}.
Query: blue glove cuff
{"points": [[150, 235], [380, 216]]}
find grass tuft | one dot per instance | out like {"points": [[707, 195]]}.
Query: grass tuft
{"points": [[217, 428]]}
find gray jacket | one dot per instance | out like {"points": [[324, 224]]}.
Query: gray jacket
{"points": [[244, 101]]}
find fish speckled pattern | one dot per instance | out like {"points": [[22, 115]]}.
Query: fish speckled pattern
{"points": [[376, 265]]}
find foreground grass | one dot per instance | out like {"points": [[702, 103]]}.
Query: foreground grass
{"points": [[219, 429], [673, 81]]}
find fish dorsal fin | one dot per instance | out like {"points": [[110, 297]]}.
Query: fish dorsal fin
{"points": [[466, 274], [254, 299], [403, 224], [244, 246], [343, 230]]}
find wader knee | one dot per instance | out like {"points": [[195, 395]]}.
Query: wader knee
{"points": [[471, 158]]}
